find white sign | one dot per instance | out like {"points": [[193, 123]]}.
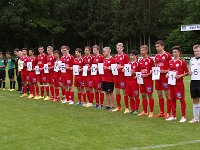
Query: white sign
{"points": [[127, 70], [172, 78], [94, 69], [63, 68], [139, 78], [114, 69], [46, 68], [56, 67], [37, 70], [100, 68], [59, 65], [195, 68], [21, 64], [29, 66], [76, 70], [85, 68], [155, 73], [191, 27]]}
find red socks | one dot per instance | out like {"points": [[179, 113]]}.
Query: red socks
{"points": [[145, 104], [88, 95], [42, 90], [137, 104], [97, 98], [25, 89], [174, 108], [132, 104], [52, 91], [47, 90], [84, 97], [169, 106], [91, 97], [151, 104], [71, 95], [126, 101], [101, 98], [79, 97], [183, 108]]}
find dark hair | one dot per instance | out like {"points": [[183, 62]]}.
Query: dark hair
{"points": [[97, 47], [160, 42], [16, 50], [40, 46], [56, 52], [176, 48], [134, 52], [24, 49], [79, 50], [31, 50], [9, 53], [63, 47], [87, 47]]}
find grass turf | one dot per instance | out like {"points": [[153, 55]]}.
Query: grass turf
{"points": [[37, 124]]}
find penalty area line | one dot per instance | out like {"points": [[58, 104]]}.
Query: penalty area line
{"points": [[162, 145]]}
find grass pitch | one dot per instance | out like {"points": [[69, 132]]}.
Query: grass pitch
{"points": [[36, 124]]}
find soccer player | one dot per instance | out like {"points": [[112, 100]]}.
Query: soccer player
{"points": [[2, 71], [120, 80], [50, 62], [42, 77], [78, 79], [108, 79], [177, 92], [146, 89], [97, 79], [24, 72], [16, 52], [195, 83], [132, 87], [11, 74], [32, 81], [162, 60], [56, 77], [88, 82], [67, 76]]}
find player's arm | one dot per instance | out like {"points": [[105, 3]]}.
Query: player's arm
{"points": [[185, 68]]}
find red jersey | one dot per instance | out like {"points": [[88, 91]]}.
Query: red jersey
{"points": [[69, 61], [50, 62], [79, 62], [135, 67], [25, 60], [162, 60], [121, 60], [180, 66], [98, 59], [146, 65], [87, 61], [108, 76], [42, 59], [34, 61]]}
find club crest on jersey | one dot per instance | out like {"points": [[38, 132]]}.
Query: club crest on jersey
{"points": [[179, 95], [79, 61], [108, 61], [97, 59], [149, 89], [177, 65], [67, 59], [163, 57], [120, 59], [122, 84], [146, 63], [133, 67]]}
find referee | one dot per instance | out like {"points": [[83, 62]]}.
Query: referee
{"points": [[195, 82]]}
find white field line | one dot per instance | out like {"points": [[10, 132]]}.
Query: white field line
{"points": [[162, 145]]}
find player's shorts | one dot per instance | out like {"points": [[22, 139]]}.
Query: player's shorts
{"points": [[11, 73], [97, 82], [108, 86], [162, 84], [42, 77], [24, 74], [78, 81], [132, 88], [120, 82], [56, 79], [88, 81], [2, 74], [67, 80], [50, 77], [147, 87], [177, 92], [195, 88], [32, 77]]}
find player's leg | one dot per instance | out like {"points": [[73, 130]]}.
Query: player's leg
{"points": [[151, 105], [144, 101], [169, 103]]}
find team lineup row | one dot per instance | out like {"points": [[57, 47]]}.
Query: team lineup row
{"points": [[95, 76]]}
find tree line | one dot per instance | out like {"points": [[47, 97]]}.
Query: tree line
{"points": [[77, 23]]}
